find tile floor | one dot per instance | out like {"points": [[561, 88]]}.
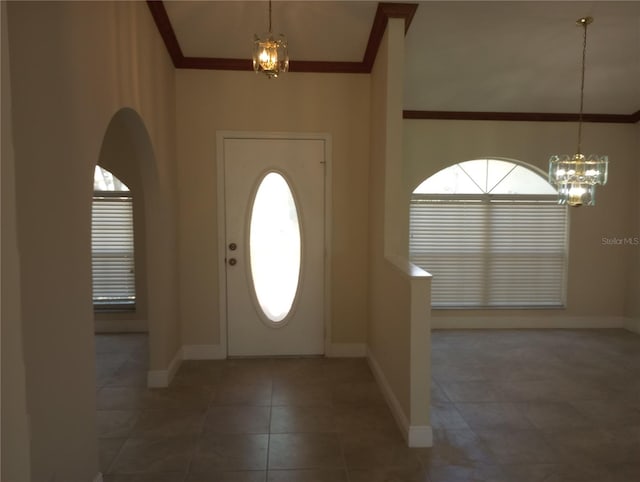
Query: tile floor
{"points": [[507, 406]]}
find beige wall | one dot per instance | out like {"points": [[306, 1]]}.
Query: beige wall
{"points": [[14, 442], [73, 66], [398, 335], [322, 103], [633, 292], [598, 276], [389, 308]]}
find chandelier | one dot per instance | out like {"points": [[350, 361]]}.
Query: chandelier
{"points": [[270, 54], [576, 177]]}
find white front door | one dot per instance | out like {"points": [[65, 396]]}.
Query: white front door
{"points": [[274, 234]]}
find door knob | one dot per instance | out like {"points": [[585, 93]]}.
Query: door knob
{"points": [[232, 261], [233, 246]]}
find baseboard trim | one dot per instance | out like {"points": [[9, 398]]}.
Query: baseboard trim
{"points": [[346, 350], [420, 436], [390, 397], [162, 378], [98, 478], [120, 326], [203, 352], [632, 325], [525, 322], [415, 435]]}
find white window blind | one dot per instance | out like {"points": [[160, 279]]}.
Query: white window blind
{"points": [[505, 250], [112, 250], [491, 253]]}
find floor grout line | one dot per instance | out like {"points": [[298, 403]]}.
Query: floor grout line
{"points": [[266, 472]]}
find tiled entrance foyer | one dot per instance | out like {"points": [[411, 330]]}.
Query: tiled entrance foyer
{"points": [[508, 406]]}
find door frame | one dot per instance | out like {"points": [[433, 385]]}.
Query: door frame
{"points": [[221, 136]]}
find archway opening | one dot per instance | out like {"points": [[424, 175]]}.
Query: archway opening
{"points": [[125, 190]]}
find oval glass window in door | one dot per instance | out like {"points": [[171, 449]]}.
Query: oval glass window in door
{"points": [[274, 247]]}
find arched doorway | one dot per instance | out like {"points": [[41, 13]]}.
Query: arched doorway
{"points": [[120, 163], [127, 138], [126, 366]]}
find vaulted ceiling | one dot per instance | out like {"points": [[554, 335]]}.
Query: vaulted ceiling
{"points": [[476, 56]]}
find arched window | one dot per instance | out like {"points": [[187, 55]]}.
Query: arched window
{"points": [[112, 243], [492, 234]]}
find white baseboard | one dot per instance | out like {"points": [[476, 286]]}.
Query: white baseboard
{"points": [[392, 401], [420, 436], [98, 478], [203, 352], [633, 325], [162, 378], [120, 326], [415, 435], [525, 322], [218, 352], [346, 350]]}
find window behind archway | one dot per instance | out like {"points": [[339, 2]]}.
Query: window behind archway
{"points": [[112, 253], [492, 234]]}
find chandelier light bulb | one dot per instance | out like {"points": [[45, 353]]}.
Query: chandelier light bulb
{"points": [[270, 53]]}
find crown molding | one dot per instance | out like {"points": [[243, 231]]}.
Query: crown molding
{"points": [[521, 116], [384, 12], [163, 24], [207, 63]]}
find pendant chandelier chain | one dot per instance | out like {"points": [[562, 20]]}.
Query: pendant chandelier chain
{"points": [[270, 30], [584, 22]]}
